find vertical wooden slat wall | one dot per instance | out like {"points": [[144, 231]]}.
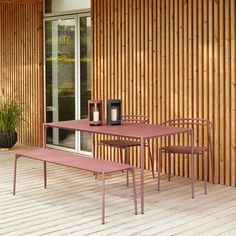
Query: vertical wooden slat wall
{"points": [[21, 63], [167, 59]]}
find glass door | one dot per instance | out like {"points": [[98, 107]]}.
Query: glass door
{"points": [[67, 78]]}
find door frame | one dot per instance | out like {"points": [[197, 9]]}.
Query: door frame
{"points": [[76, 17], [78, 84]]}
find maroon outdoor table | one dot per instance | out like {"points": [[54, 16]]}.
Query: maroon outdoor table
{"points": [[132, 130]]}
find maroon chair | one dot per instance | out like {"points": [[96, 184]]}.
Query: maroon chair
{"points": [[196, 125], [124, 144]]}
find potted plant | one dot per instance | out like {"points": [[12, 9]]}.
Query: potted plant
{"points": [[10, 118]]}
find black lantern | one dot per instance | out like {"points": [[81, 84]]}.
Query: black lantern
{"points": [[114, 112], [95, 112]]}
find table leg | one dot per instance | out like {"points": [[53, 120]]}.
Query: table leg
{"points": [[44, 146], [44, 135], [103, 198], [142, 174], [192, 161]]}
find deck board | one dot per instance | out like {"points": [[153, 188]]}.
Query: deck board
{"points": [[71, 204]]}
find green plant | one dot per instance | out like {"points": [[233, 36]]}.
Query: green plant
{"points": [[10, 115]]}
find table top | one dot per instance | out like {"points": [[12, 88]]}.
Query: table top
{"points": [[131, 130]]}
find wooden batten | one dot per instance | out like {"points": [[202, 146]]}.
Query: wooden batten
{"points": [[21, 63], [168, 59]]}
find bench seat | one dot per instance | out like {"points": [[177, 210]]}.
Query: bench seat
{"points": [[74, 160], [78, 161]]}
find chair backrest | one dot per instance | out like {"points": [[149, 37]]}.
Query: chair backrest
{"points": [[135, 119], [193, 123]]}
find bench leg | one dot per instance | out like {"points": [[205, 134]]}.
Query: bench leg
{"points": [[14, 181], [45, 173], [134, 190], [103, 198]]}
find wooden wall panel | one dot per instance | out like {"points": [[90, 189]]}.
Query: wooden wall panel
{"points": [[21, 1], [21, 63], [169, 59]]}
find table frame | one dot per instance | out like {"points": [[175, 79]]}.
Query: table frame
{"points": [[138, 131]]}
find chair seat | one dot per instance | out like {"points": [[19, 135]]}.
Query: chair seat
{"points": [[183, 149], [119, 143], [124, 144]]}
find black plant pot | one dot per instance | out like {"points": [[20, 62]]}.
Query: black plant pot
{"points": [[7, 140]]}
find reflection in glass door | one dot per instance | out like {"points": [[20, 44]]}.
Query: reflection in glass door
{"points": [[67, 77]]}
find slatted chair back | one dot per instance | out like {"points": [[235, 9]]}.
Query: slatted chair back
{"points": [[197, 125], [135, 119]]}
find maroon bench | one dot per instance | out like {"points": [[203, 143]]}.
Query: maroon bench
{"points": [[76, 161]]}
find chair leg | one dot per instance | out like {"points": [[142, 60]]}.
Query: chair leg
{"points": [[151, 161], [213, 166], [103, 198], [97, 150], [169, 165], [169, 160], [134, 191], [204, 157], [159, 169], [127, 161], [121, 156]]}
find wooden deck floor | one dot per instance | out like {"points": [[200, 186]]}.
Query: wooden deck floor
{"points": [[71, 204]]}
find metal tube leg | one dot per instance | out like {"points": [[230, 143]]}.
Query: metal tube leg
{"points": [[159, 169], [45, 173], [14, 181], [169, 160], [44, 135], [103, 198], [151, 161], [44, 146], [134, 190], [97, 151], [213, 166], [121, 156], [142, 175], [169, 165], [127, 162], [205, 171], [192, 162], [97, 156]]}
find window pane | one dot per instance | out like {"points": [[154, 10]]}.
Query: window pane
{"points": [[60, 78], [53, 6]]}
